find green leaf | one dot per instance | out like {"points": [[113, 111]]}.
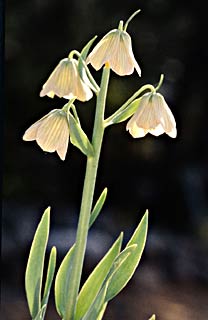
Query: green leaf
{"points": [[153, 317], [34, 270], [40, 315], [87, 47], [77, 136], [123, 274], [83, 69], [62, 282], [120, 260], [49, 276], [84, 54], [101, 314], [120, 116], [95, 281], [97, 307], [98, 207]]}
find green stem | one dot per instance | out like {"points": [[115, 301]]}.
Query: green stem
{"points": [[87, 197], [109, 120]]}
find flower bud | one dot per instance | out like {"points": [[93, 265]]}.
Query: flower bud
{"points": [[154, 116], [66, 82], [51, 132]]}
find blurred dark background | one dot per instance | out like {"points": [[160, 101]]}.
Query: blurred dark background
{"points": [[167, 176]]}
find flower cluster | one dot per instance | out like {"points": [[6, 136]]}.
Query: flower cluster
{"points": [[115, 50]]}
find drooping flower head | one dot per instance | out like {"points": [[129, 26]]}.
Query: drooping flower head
{"points": [[51, 132], [154, 116], [66, 82], [115, 48]]}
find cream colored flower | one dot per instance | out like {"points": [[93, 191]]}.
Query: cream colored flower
{"points": [[115, 48], [66, 82], [51, 133], [154, 116]]}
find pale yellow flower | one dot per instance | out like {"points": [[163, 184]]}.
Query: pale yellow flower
{"points": [[51, 132], [115, 48], [154, 116], [66, 82]]}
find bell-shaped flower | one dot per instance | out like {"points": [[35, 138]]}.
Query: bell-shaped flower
{"points": [[66, 82], [51, 132], [115, 48], [154, 116]]}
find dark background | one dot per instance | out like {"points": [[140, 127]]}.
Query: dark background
{"points": [[167, 176]]}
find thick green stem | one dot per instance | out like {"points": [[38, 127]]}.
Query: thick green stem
{"points": [[87, 197]]}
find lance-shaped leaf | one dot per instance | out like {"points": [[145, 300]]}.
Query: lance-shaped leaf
{"points": [[83, 69], [34, 270], [101, 314], [96, 309], [120, 260], [62, 282], [122, 115], [126, 270], [49, 276], [40, 315], [95, 281], [78, 137], [98, 207]]}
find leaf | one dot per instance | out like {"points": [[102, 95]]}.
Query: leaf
{"points": [[120, 259], [120, 116], [100, 316], [83, 69], [84, 54], [34, 269], [95, 281], [98, 207], [78, 137], [97, 307], [153, 317], [126, 270], [62, 282], [40, 315], [49, 276]]}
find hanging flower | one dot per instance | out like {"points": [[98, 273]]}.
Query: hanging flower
{"points": [[154, 116], [66, 82], [51, 132], [115, 48]]}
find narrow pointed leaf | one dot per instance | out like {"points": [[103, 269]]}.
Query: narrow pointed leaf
{"points": [[62, 282], [98, 207], [101, 314], [120, 260], [126, 270], [40, 315], [95, 281], [123, 115], [49, 276], [78, 137], [97, 307], [34, 270], [87, 47]]}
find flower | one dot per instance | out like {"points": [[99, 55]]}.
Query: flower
{"points": [[66, 82], [51, 132], [115, 48], [154, 116]]}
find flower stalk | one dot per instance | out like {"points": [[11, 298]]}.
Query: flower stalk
{"points": [[87, 196]]}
